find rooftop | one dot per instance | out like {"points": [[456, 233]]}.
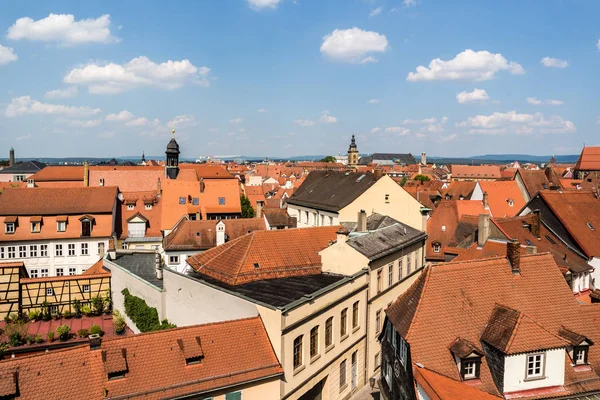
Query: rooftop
{"points": [[139, 263], [27, 167], [476, 171], [589, 160]]}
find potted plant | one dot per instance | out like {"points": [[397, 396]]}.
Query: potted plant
{"points": [[107, 304], [30, 339], [35, 315], [77, 308], [68, 314], [96, 330], [97, 304], [46, 316], [86, 310], [50, 336], [39, 339], [83, 333], [119, 322], [63, 332]]}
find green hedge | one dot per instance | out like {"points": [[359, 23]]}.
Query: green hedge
{"points": [[142, 315]]}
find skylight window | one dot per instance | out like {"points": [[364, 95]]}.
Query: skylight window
{"points": [[195, 201], [221, 201], [528, 242], [360, 178], [589, 225], [182, 200], [550, 239], [256, 265]]}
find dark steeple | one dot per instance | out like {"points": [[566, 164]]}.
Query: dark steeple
{"points": [[143, 157], [352, 144], [172, 166]]}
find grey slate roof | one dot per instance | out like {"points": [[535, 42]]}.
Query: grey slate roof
{"points": [[385, 241], [139, 264], [374, 221], [27, 167], [331, 190], [399, 158]]}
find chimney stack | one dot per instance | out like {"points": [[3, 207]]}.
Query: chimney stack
{"points": [[11, 157], [514, 256], [486, 205], [101, 250], [202, 185], [158, 188], [530, 250], [259, 207], [535, 224], [157, 264], [341, 236], [483, 230], [86, 174], [361, 225], [95, 341]]}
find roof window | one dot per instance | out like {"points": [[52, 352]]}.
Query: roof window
{"points": [[256, 265], [589, 225], [182, 200], [221, 201], [360, 178], [195, 201], [528, 242], [550, 239]]}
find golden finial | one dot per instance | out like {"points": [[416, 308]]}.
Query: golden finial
{"points": [[173, 132]]}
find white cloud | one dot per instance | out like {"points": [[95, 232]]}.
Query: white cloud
{"points": [[409, 3], [400, 130], [431, 120], [63, 29], [375, 130], [66, 93], [327, 119], [427, 125], [7, 55], [235, 121], [214, 130], [373, 101], [26, 105], [449, 137], [182, 121], [106, 135], [468, 65], [24, 137], [141, 71], [554, 62], [79, 123], [261, 4], [242, 130], [537, 102], [261, 110], [122, 116], [305, 122], [477, 95], [512, 122], [376, 11], [353, 45], [142, 121], [368, 60]]}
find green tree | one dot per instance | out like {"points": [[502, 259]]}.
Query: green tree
{"points": [[422, 178], [403, 181], [247, 210], [328, 159]]}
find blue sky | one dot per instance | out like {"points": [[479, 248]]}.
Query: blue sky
{"points": [[285, 78]]}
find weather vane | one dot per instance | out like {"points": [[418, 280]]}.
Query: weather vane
{"points": [[173, 132]]}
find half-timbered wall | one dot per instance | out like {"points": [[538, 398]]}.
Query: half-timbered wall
{"points": [[10, 275]]}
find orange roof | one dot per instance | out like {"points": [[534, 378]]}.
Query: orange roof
{"points": [[440, 387], [576, 209], [154, 364], [97, 268], [476, 171], [458, 299], [54, 173], [139, 200], [201, 235], [459, 189], [504, 198], [207, 171], [266, 255], [127, 179], [589, 160]]}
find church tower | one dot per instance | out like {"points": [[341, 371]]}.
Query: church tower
{"points": [[352, 153], [172, 165]]}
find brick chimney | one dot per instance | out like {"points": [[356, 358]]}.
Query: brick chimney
{"points": [[158, 188], [259, 207], [341, 236], [95, 341], [486, 205], [361, 225], [514, 256], [483, 230], [86, 174], [535, 224], [202, 185]]}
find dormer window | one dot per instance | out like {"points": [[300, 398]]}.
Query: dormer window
{"points": [[147, 206], [535, 366], [467, 357], [436, 247], [86, 225], [36, 227], [221, 201], [580, 354], [130, 207], [195, 201], [61, 224], [510, 202], [182, 200], [469, 368], [9, 227]]}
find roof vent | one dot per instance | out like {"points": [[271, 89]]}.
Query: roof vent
{"points": [[589, 225], [256, 265], [443, 228]]}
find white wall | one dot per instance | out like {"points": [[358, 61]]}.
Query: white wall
{"points": [[477, 193], [315, 217], [51, 262], [189, 302], [595, 274], [515, 369], [181, 266], [421, 395]]}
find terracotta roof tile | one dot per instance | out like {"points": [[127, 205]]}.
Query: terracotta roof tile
{"points": [[589, 160], [57, 173], [155, 365], [504, 198], [440, 387], [476, 171], [266, 255]]}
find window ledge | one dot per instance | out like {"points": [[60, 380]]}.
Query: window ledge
{"points": [[344, 337], [537, 378], [328, 349], [315, 358], [298, 370], [342, 388], [356, 328]]}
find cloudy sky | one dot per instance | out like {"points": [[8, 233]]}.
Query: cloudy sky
{"points": [[297, 77]]}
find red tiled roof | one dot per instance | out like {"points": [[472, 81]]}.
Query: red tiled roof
{"points": [[440, 387], [476, 171], [57, 201], [458, 189], [139, 201], [235, 352], [589, 160], [575, 210], [266, 255], [201, 234], [57, 173], [457, 299], [501, 195]]}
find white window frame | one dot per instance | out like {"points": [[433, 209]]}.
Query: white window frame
{"points": [[2, 254], [9, 227], [85, 249], [59, 272], [71, 249], [36, 227], [86, 288], [33, 250], [537, 362], [44, 272], [470, 368], [12, 252], [43, 250], [22, 251], [58, 250], [436, 248], [33, 273], [173, 259], [147, 206], [72, 271], [49, 292], [61, 226], [130, 207]]}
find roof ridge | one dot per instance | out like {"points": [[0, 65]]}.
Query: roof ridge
{"points": [[513, 334], [248, 247]]}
